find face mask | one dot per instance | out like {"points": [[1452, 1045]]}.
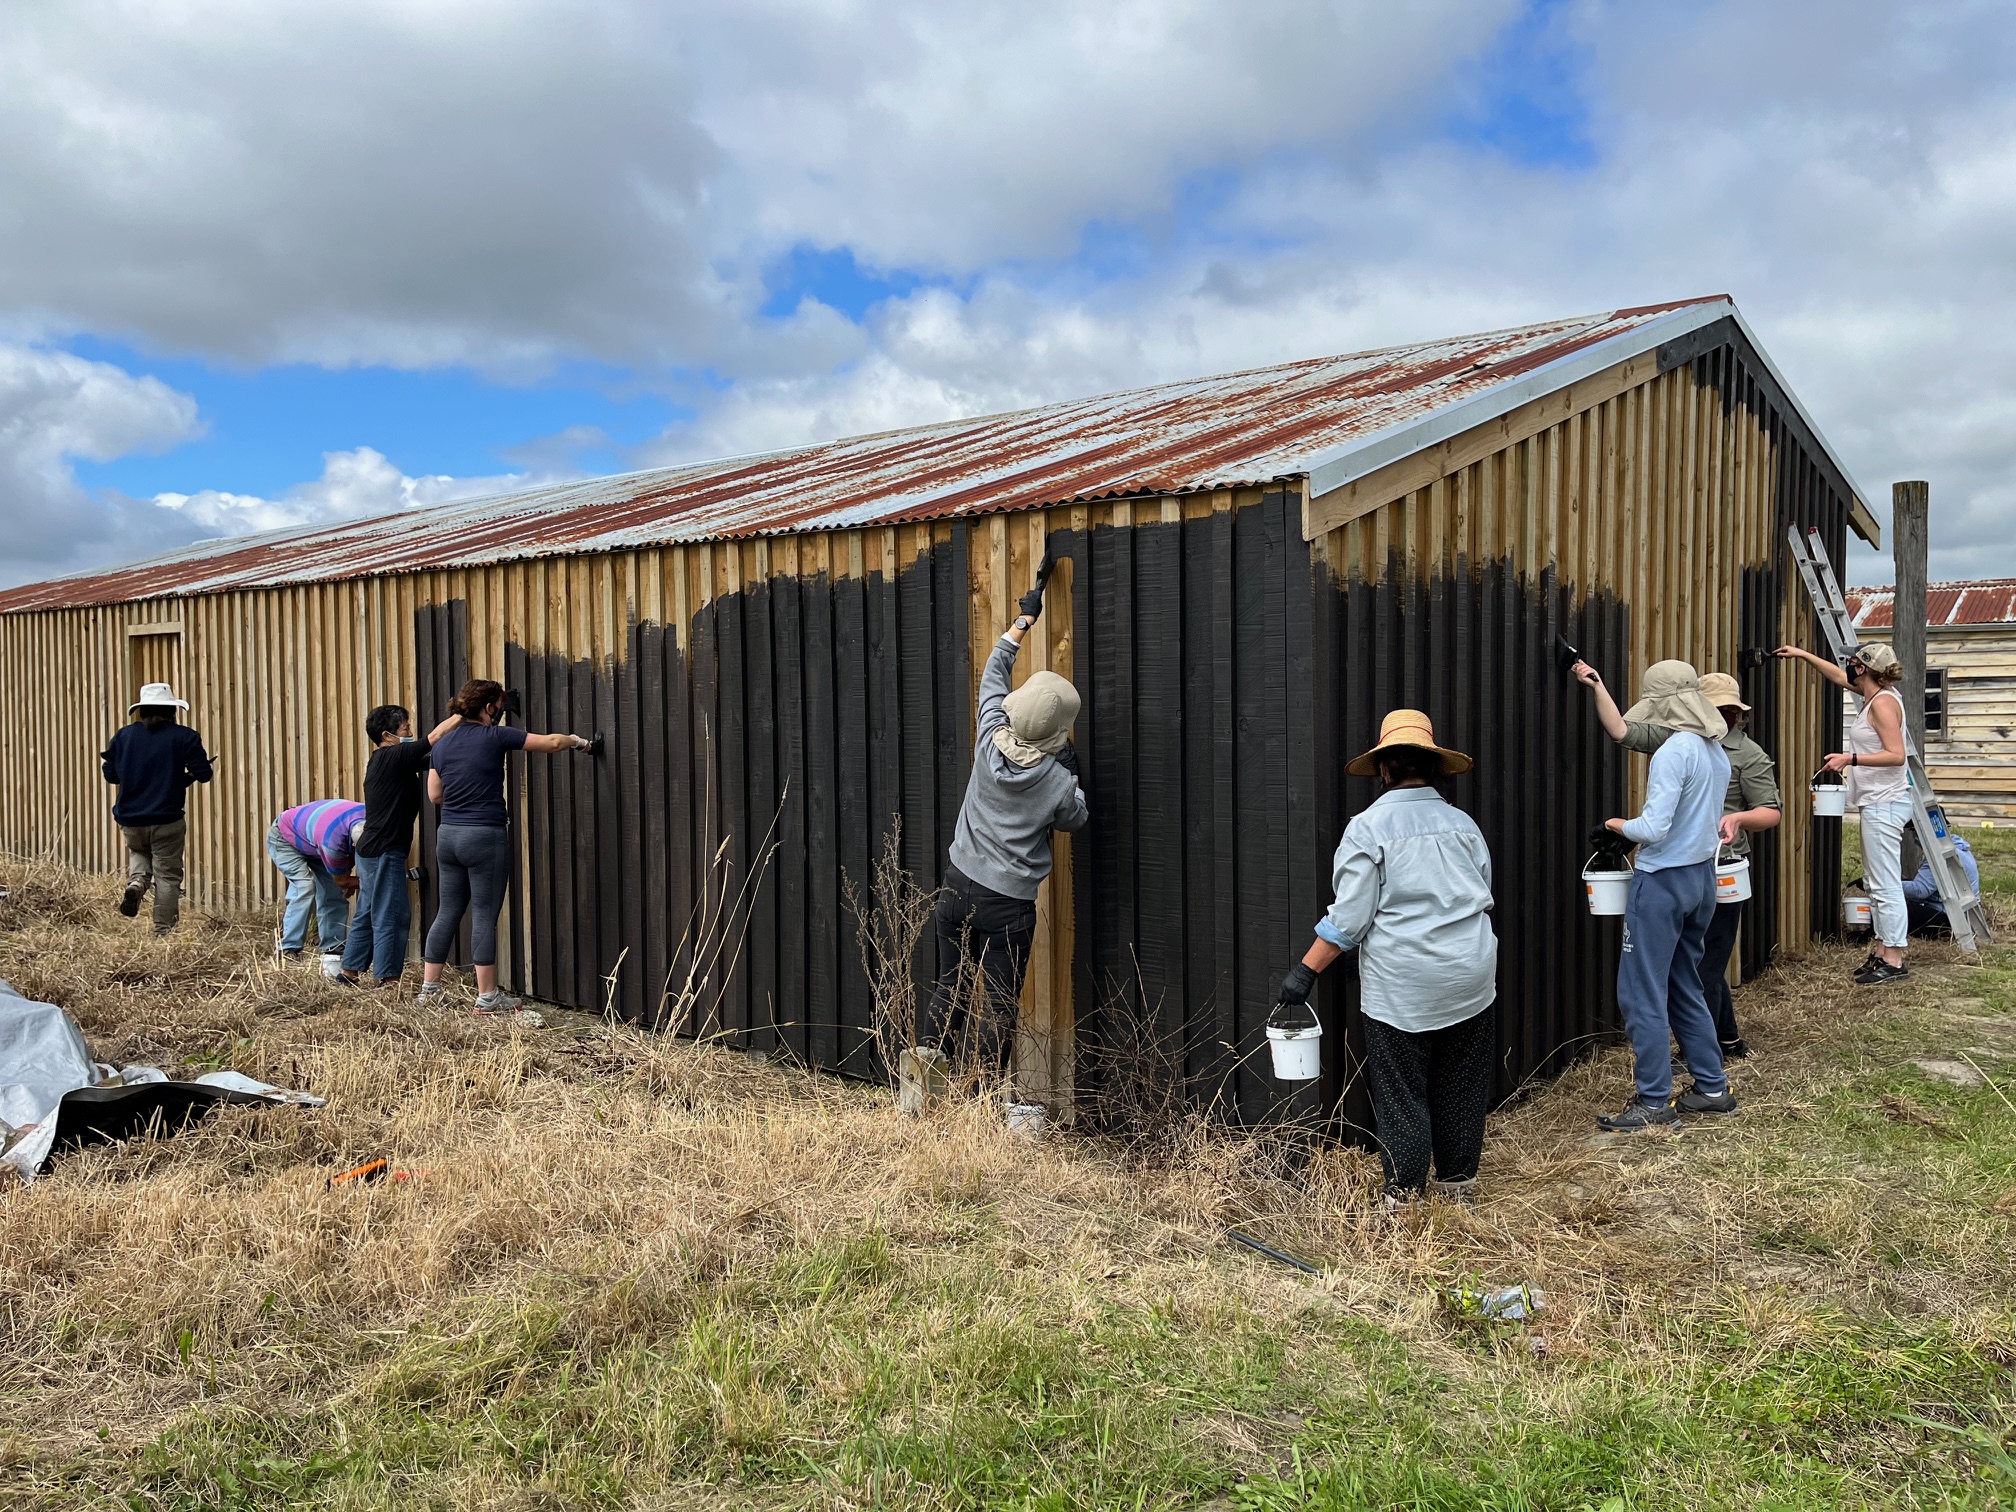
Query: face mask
{"points": [[407, 739]]}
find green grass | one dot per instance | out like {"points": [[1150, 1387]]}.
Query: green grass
{"points": [[1836, 1330]]}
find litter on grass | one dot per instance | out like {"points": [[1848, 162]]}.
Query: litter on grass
{"points": [[54, 1097], [1509, 1304]]}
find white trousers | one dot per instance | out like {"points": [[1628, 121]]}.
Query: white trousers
{"points": [[1883, 826]]}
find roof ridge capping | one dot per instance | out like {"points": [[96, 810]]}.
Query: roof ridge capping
{"points": [[1342, 465]]}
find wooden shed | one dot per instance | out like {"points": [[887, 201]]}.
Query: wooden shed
{"points": [[1970, 690], [782, 652]]}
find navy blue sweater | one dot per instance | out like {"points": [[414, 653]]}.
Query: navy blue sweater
{"points": [[152, 767]]}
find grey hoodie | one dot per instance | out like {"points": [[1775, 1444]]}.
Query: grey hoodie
{"points": [[1003, 839]]}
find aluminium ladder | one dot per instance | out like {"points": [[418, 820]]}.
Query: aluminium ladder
{"points": [[1964, 912]]}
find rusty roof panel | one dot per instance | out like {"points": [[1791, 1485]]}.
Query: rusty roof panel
{"points": [[1948, 606], [1246, 428]]}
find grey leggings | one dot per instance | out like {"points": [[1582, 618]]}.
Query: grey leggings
{"points": [[474, 862]]}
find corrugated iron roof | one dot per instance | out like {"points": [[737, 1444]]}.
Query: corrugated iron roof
{"points": [[1984, 601], [1245, 428]]}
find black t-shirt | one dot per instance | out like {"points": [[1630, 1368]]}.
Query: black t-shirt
{"points": [[394, 783]]}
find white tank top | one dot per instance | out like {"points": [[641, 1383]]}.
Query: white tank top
{"points": [[1867, 785]]}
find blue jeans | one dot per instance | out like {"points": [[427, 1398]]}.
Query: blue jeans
{"points": [[384, 918], [1659, 978], [308, 882]]}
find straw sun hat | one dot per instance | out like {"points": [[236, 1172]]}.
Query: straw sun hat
{"points": [[1723, 691], [1407, 727]]}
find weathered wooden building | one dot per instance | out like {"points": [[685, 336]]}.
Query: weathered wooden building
{"points": [[782, 651], [1970, 690]]}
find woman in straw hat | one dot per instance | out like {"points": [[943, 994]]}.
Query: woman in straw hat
{"points": [[1751, 804], [1024, 784], [1672, 903], [1880, 786], [1413, 879]]}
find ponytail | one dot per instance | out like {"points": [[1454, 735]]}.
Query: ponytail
{"points": [[477, 695]]}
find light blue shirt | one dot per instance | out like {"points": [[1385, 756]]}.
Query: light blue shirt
{"points": [[1683, 804], [1922, 889], [1413, 879]]}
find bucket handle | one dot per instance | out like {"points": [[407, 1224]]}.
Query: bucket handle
{"points": [[1597, 855], [1839, 779]]}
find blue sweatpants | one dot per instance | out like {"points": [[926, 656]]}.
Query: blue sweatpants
{"points": [[1659, 978]]}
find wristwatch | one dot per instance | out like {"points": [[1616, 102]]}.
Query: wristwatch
{"points": [[1023, 622]]}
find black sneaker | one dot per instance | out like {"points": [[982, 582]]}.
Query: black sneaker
{"points": [[1882, 974], [1735, 1049], [1637, 1114], [1694, 1100], [129, 901]]}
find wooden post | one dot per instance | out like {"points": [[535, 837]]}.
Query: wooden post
{"points": [[1909, 506]]}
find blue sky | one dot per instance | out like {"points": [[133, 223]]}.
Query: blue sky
{"points": [[438, 263]]}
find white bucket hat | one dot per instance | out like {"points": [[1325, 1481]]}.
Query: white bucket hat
{"points": [[156, 696]]}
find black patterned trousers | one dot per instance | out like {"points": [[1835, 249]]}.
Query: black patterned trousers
{"points": [[1430, 1092]]}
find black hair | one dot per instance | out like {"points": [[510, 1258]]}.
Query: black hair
{"points": [[154, 716], [384, 720], [1403, 763]]}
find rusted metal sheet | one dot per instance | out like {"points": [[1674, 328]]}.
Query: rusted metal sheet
{"points": [[1985, 601], [1251, 428]]}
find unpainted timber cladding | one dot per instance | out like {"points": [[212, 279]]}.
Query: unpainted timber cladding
{"points": [[792, 698]]}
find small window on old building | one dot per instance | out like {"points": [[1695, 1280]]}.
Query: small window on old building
{"points": [[1935, 703]]}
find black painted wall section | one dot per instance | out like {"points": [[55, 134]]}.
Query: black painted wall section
{"points": [[806, 717], [1226, 679]]}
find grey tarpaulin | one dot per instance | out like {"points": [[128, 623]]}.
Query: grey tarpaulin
{"points": [[54, 1096]]}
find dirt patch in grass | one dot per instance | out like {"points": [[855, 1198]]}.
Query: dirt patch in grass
{"points": [[635, 1271]]}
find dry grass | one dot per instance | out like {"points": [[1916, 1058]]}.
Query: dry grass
{"points": [[620, 1207]]}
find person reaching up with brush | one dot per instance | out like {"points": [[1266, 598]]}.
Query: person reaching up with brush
{"points": [[1024, 784], [1672, 903]]}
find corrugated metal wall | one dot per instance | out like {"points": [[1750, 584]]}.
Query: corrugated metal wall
{"points": [[1229, 667]]}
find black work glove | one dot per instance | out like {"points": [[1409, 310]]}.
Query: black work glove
{"points": [[1031, 603], [1067, 757], [1298, 984], [1605, 838]]}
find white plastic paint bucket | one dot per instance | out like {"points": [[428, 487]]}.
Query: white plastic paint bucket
{"points": [[1298, 1053], [1732, 879], [1830, 800], [1608, 891], [1856, 912]]}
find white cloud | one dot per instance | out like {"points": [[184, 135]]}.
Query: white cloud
{"points": [[55, 408], [421, 182], [523, 181], [355, 485], [1847, 172]]}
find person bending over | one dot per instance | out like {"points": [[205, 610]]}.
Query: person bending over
{"points": [[472, 846], [314, 846], [1922, 902], [1413, 879], [1024, 784]]}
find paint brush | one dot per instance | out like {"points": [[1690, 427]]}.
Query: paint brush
{"points": [[1565, 655]]}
